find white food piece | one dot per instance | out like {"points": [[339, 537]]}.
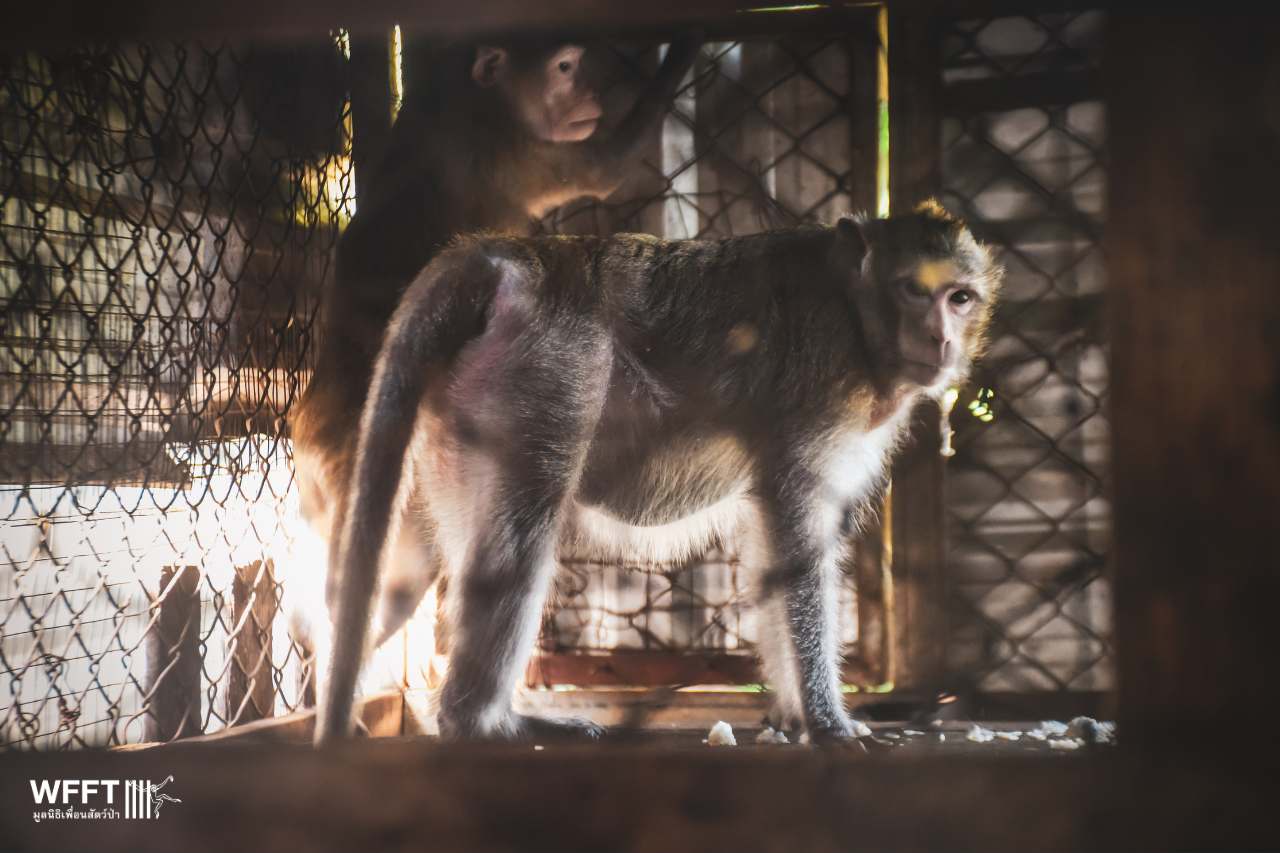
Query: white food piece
{"points": [[803, 739], [861, 729], [1037, 734], [978, 734], [771, 735], [1066, 743], [893, 736], [721, 734], [1053, 728], [942, 738], [912, 732], [538, 747], [1009, 735]]}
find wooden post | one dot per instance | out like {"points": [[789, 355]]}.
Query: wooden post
{"points": [[306, 670], [371, 101], [875, 645], [918, 505], [251, 691], [173, 657], [1194, 266]]}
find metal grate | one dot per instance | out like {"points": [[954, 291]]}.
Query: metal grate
{"points": [[1029, 519], [161, 250], [766, 133]]}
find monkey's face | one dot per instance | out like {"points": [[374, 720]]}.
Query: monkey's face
{"points": [[938, 312], [570, 109], [546, 87]]}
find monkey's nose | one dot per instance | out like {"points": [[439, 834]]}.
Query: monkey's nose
{"points": [[944, 351]]}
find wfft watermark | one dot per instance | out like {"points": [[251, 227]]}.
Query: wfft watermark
{"points": [[99, 799]]}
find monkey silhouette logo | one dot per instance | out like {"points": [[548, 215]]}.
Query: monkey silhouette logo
{"points": [[158, 799]]}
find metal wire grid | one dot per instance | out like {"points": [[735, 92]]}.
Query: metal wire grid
{"points": [[159, 258], [764, 134], [1029, 518]]}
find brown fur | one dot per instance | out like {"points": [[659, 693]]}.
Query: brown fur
{"points": [[597, 392]]}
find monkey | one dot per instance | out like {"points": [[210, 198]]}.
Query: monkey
{"points": [[502, 134], [640, 398]]}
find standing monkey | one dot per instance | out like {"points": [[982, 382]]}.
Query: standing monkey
{"points": [[501, 135], [636, 398]]}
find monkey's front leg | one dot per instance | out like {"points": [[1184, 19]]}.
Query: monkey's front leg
{"points": [[802, 587], [809, 602]]}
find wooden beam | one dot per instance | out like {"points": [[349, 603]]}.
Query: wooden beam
{"points": [[655, 668], [407, 794], [919, 524], [1043, 89], [370, 108], [69, 21], [1194, 299]]}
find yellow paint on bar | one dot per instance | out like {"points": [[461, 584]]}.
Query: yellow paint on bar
{"points": [[882, 113], [796, 7], [396, 71]]}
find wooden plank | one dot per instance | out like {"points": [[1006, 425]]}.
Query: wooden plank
{"points": [[919, 524], [80, 20], [1193, 264], [381, 713], [873, 580], [653, 668], [173, 657], [250, 687], [403, 794], [1049, 88], [370, 110]]}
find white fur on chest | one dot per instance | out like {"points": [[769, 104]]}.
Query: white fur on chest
{"points": [[856, 464]]}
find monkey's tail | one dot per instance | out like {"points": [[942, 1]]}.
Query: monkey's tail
{"points": [[443, 310]]}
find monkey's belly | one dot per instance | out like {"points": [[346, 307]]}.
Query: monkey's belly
{"points": [[591, 532], [663, 480], [660, 502]]}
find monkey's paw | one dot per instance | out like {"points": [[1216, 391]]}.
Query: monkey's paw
{"points": [[844, 731], [559, 728]]}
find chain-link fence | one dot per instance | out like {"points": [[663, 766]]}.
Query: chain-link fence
{"points": [[766, 133], [1024, 162], [168, 220]]}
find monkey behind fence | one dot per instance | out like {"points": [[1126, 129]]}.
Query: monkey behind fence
{"points": [[497, 134], [637, 398]]}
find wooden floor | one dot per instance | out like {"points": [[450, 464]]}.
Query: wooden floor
{"points": [[660, 788]]}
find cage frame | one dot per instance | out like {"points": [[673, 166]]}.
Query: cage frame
{"points": [[1205, 544]]}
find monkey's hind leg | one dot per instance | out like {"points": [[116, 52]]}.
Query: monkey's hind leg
{"points": [[773, 644], [518, 482]]}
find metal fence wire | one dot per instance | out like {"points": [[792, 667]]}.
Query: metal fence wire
{"points": [[160, 256], [1024, 162], [170, 215], [766, 133]]}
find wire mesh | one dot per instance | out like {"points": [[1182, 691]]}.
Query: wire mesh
{"points": [[1029, 519], [765, 134], [159, 258]]}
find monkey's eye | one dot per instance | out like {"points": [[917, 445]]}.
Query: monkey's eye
{"points": [[565, 66], [961, 297]]}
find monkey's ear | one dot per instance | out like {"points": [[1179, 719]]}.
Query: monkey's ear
{"points": [[489, 65], [851, 240]]}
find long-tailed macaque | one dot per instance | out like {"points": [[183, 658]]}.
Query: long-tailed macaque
{"points": [[501, 135], [637, 398]]}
